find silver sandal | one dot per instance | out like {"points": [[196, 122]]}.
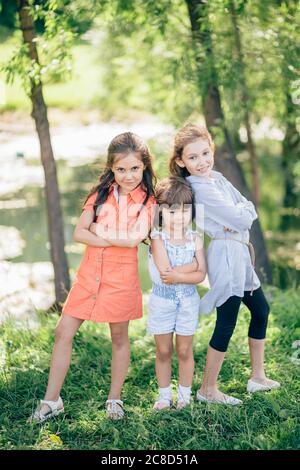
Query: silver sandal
{"points": [[55, 408], [114, 409]]}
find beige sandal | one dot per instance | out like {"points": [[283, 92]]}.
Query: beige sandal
{"points": [[114, 409]]}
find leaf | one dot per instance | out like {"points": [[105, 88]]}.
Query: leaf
{"points": [[56, 439]]}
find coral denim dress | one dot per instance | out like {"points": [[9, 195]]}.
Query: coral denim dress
{"points": [[107, 286]]}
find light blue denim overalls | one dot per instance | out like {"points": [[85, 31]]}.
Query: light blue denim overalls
{"points": [[173, 307]]}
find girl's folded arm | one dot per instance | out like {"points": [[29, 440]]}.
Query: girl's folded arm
{"points": [[140, 230], [242, 198], [198, 275], [160, 255], [82, 233], [162, 262], [187, 268], [129, 239], [236, 217]]}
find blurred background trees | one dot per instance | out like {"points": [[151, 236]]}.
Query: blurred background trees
{"points": [[231, 64]]}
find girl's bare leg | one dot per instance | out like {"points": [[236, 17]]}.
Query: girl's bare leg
{"points": [[257, 353], [164, 350], [61, 357], [120, 357], [209, 387], [184, 348]]}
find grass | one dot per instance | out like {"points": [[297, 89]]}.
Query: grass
{"points": [[265, 421]]}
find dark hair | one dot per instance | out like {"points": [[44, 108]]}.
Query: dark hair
{"points": [[123, 144], [174, 190], [186, 135]]}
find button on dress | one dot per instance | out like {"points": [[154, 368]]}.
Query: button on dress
{"points": [[230, 270], [106, 287]]}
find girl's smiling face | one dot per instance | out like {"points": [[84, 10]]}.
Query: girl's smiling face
{"points": [[128, 171], [197, 157]]}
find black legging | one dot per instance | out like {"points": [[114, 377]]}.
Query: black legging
{"points": [[227, 316]]}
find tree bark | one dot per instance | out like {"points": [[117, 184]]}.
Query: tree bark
{"points": [[225, 158], [291, 151], [39, 114], [291, 141], [245, 103]]}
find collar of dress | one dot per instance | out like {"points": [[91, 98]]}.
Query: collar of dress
{"points": [[137, 194], [205, 179]]}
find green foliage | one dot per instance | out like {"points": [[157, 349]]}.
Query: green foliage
{"points": [[265, 421], [54, 49], [158, 76], [8, 10], [78, 14]]}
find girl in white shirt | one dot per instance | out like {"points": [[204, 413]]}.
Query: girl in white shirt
{"points": [[228, 216]]}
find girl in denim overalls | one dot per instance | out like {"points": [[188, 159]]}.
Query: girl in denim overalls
{"points": [[176, 265]]}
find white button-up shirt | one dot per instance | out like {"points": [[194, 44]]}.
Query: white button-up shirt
{"points": [[230, 271]]}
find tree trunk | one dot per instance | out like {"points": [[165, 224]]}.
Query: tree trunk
{"points": [[39, 114], [225, 158], [245, 103], [291, 141], [291, 151]]}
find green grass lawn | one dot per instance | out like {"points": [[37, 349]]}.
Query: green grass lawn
{"points": [[265, 421]]}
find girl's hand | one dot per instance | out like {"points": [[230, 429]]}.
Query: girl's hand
{"points": [[170, 276], [93, 228], [195, 264], [226, 229], [100, 231]]}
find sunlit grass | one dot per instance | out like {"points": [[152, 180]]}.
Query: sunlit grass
{"points": [[265, 421]]}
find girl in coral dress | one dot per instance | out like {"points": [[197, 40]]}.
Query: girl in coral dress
{"points": [[116, 217]]}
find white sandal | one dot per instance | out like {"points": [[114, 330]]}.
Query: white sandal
{"points": [[254, 386], [228, 400], [183, 403], [55, 408], [162, 404], [183, 399], [114, 409]]}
